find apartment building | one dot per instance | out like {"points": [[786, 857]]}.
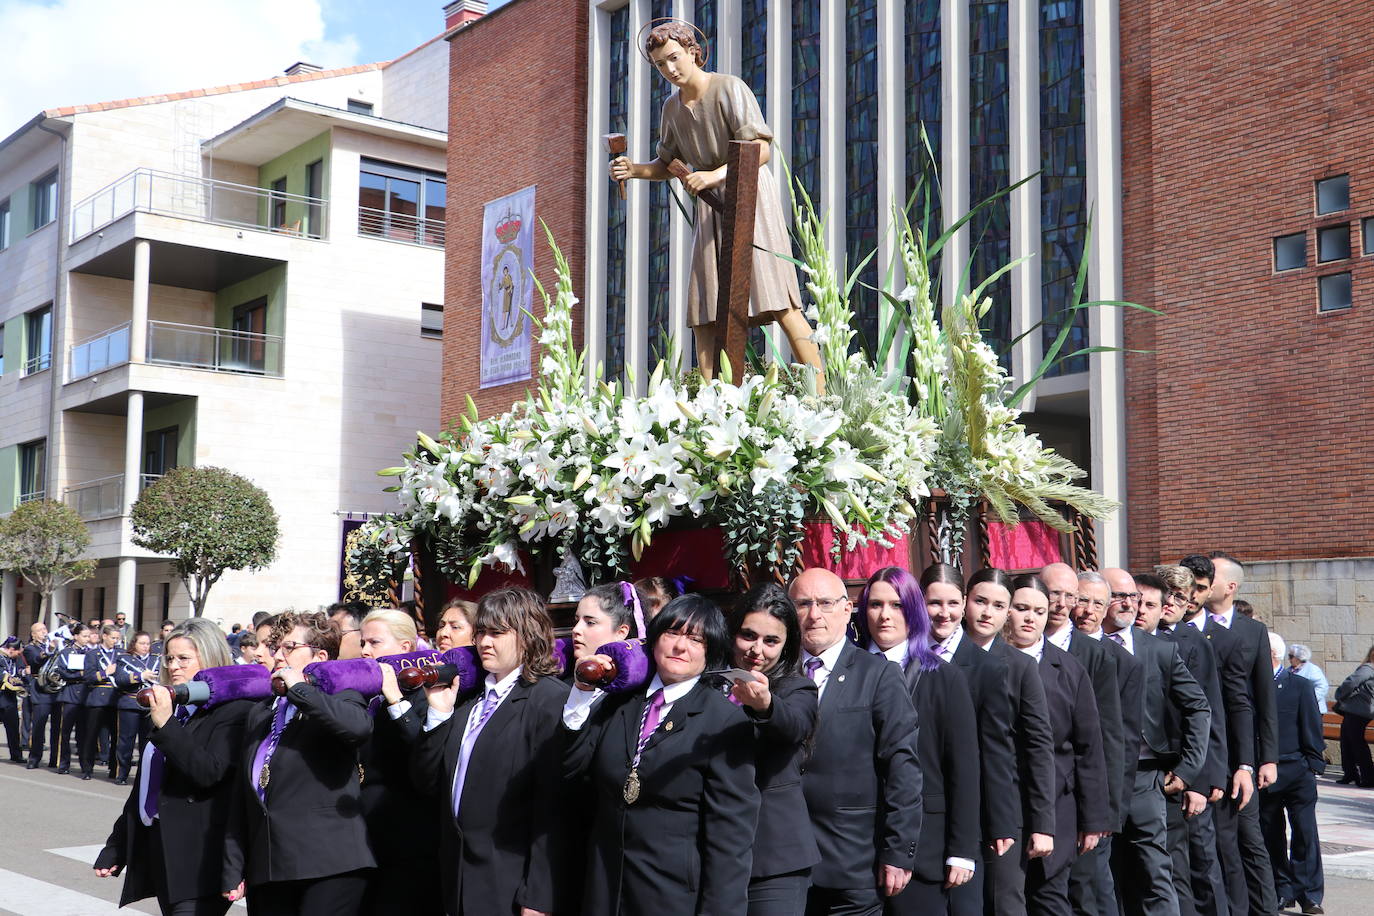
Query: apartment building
{"points": [[247, 276]]}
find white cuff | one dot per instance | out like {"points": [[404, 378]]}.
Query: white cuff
{"points": [[399, 709], [434, 718], [956, 862], [579, 706]]}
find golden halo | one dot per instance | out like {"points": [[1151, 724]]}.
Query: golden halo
{"points": [[701, 40]]}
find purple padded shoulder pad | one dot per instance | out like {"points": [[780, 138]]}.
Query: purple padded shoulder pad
{"points": [[360, 674], [563, 653], [631, 663], [464, 658], [420, 659], [235, 682]]}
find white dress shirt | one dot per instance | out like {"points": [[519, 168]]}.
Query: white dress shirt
{"points": [[950, 644], [828, 660], [1127, 638], [579, 704], [503, 687], [1036, 651], [898, 654], [1061, 639]]}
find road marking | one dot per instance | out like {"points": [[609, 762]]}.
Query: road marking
{"points": [[83, 854], [25, 896], [44, 784]]}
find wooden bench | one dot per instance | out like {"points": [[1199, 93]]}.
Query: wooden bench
{"points": [[1331, 728]]}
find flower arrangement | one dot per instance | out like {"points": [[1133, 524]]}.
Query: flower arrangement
{"points": [[600, 471]]}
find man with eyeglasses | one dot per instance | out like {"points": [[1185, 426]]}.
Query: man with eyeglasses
{"points": [[862, 781], [349, 616], [1091, 890]]}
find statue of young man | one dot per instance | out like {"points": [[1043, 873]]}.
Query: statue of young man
{"points": [[707, 111]]}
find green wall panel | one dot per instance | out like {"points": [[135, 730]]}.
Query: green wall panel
{"points": [[270, 283], [291, 166], [182, 415]]}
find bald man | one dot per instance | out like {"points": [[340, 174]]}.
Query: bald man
{"points": [[862, 782]]}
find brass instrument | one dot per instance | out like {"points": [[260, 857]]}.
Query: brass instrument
{"points": [[14, 685]]}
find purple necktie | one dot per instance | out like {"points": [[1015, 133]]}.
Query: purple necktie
{"points": [[153, 769], [268, 748], [812, 666], [1118, 639], [474, 728], [1219, 619], [652, 711]]}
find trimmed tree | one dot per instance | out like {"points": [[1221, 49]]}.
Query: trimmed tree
{"points": [[208, 520], [44, 541]]}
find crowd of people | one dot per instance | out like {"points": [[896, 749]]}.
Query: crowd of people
{"points": [[1067, 742]]}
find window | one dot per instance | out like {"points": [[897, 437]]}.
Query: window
{"points": [[250, 347], [314, 189], [278, 198], [160, 451], [1333, 292], [391, 199], [4, 224], [33, 470], [431, 320], [1333, 194], [138, 601], [44, 198], [1333, 243], [38, 340], [1366, 228], [1290, 251], [358, 106]]}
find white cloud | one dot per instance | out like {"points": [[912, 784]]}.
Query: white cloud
{"points": [[76, 52]]}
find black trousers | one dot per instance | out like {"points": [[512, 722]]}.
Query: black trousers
{"points": [[1196, 871], [1004, 880], [195, 906], [1140, 854], [41, 720], [780, 895], [73, 723], [9, 717], [832, 901], [1355, 756], [918, 898], [1244, 858], [1047, 895], [134, 726], [1092, 888], [334, 895], [1297, 865], [98, 718]]}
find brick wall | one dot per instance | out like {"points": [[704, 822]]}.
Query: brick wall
{"points": [[517, 117], [1248, 426]]}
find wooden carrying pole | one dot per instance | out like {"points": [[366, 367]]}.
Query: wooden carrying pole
{"points": [[736, 257]]}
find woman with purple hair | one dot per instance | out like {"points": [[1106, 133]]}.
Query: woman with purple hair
{"points": [[892, 621]]}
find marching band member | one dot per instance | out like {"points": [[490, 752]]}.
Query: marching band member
{"points": [[671, 770], [134, 670], [11, 684], [71, 699], [892, 621], [296, 837], [101, 699], [781, 705], [39, 703], [493, 754], [169, 840], [401, 823]]}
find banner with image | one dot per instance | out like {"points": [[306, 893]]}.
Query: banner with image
{"points": [[507, 288]]}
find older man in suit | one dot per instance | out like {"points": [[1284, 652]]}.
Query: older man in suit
{"points": [[863, 781], [1297, 865]]}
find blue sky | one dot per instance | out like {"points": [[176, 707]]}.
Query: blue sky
{"points": [[72, 52]]}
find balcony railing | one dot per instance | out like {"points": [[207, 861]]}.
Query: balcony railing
{"points": [[397, 227], [33, 496], [102, 498], [185, 345], [205, 199], [94, 354], [217, 349]]}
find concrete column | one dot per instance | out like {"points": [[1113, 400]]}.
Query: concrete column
{"points": [[138, 319], [126, 589], [891, 147], [833, 120], [954, 155], [133, 468], [1024, 64], [8, 611], [598, 190]]}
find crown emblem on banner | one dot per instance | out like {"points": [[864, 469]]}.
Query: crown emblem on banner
{"points": [[508, 228]]}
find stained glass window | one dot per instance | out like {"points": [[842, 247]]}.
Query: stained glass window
{"points": [[923, 111], [990, 230], [861, 162], [660, 222], [1063, 178], [705, 19], [754, 50], [619, 109], [806, 95]]}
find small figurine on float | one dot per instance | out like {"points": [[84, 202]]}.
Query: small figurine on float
{"points": [[699, 120]]}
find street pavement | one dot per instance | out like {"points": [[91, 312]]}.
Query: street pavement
{"points": [[55, 825]]}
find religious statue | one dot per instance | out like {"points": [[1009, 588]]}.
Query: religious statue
{"points": [[507, 287], [699, 120]]}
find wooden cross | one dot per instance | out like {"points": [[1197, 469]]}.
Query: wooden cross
{"points": [[735, 264]]}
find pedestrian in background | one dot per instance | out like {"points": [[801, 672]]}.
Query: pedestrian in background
{"points": [[1355, 703], [1300, 661]]}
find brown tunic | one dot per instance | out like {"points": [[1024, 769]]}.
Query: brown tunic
{"points": [[700, 136]]}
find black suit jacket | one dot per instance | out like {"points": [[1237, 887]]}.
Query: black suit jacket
{"points": [[947, 746], [863, 781], [1234, 666], [502, 851], [1177, 719], [684, 847], [1080, 767], [1100, 663], [1035, 775], [201, 760], [74, 687], [100, 687], [1129, 681], [311, 825], [1254, 641], [401, 822], [1200, 660], [783, 842], [1300, 725], [988, 682]]}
